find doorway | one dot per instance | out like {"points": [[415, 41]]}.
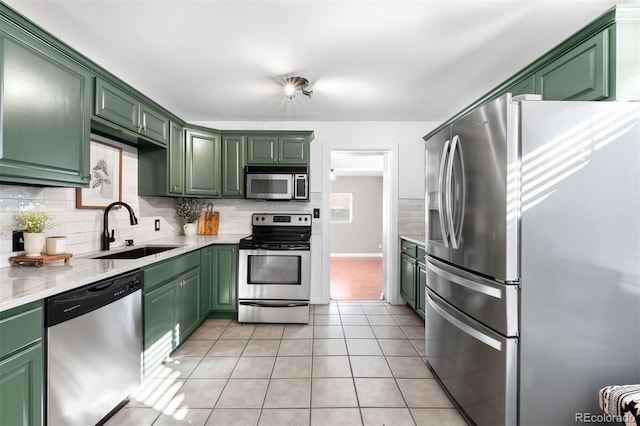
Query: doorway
{"points": [[357, 201]]}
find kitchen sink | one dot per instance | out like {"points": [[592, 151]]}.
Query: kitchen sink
{"points": [[136, 253]]}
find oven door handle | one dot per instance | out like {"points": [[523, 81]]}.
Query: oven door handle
{"points": [[274, 304]]}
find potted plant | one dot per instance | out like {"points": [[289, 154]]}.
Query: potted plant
{"points": [[188, 209], [34, 222]]}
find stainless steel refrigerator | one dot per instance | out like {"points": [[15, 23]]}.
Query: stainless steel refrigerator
{"points": [[533, 242]]}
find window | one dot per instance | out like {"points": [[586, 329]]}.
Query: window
{"points": [[341, 207]]}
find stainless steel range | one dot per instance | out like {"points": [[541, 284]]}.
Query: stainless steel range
{"points": [[274, 273]]}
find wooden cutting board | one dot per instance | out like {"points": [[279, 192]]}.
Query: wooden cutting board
{"points": [[209, 221]]}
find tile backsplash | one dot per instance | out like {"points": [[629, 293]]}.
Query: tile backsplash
{"points": [[411, 217]]}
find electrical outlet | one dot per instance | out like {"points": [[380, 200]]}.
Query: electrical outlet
{"points": [[18, 241], [157, 225], [316, 213]]}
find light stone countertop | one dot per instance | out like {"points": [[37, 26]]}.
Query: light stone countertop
{"points": [[417, 239], [20, 285]]}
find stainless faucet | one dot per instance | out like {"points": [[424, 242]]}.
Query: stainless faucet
{"points": [[105, 239]]}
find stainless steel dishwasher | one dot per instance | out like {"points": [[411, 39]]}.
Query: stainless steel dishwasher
{"points": [[94, 346]]}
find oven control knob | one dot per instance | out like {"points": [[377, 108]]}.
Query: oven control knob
{"points": [[300, 219], [306, 219]]}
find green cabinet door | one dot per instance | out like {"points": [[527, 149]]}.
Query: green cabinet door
{"points": [[293, 149], [188, 300], [159, 320], [581, 74], [224, 291], [525, 86], [233, 166], [21, 387], [262, 149], [202, 163], [125, 110], [206, 278], [421, 283], [45, 111], [220, 277], [274, 149], [153, 124], [408, 279], [175, 166], [116, 106]]}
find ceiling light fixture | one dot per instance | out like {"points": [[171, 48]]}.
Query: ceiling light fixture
{"points": [[293, 84]]}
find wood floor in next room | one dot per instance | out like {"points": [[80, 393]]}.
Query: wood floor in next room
{"points": [[356, 278], [356, 363]]}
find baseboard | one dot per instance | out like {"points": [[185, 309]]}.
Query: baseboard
{"points": [[356, 254]]}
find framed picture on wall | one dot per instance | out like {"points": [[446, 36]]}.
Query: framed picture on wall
{"points": [[105, 186]]}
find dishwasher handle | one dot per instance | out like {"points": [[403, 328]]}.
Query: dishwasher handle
{"points": [[74, 303]]}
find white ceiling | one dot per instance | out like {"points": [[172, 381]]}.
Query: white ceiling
{"points": [[366, 60]]}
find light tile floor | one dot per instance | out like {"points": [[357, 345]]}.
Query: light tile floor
{"points": [[356, 363]]}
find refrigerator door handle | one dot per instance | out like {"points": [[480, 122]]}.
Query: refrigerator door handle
{"points": [[455, 143], [465, 328], [441, 213], [471, 285]]}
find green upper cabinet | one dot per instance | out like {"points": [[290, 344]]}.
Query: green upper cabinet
{"points": [[119, 107], [233, 166], [262, 149], [175, 166], [581, 74], [293, 149], [278, 148], [525, 86], [202, 163], [45, 109], [600, 62]]}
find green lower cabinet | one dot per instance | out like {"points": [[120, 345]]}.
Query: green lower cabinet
{"points": [[45, 110], [188, 304], [159, 307], [22, 387], [408, 279], [413, 275], [22, 365], [220, 276], [421, 283]]}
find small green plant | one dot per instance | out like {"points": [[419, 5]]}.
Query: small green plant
{"points": [[188, 209], [34, 221]]}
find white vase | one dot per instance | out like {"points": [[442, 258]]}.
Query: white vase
{"points": [[33, 243], [189, 229]]}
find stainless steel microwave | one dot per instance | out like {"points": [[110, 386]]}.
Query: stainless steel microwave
{"points": [[279, 183]]}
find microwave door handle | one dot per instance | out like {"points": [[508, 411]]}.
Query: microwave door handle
{"points": [[441, 213]]}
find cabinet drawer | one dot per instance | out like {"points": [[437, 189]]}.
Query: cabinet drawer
{"points": [[20, 330], [161, 272], [421, 254], [409, 248]]}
